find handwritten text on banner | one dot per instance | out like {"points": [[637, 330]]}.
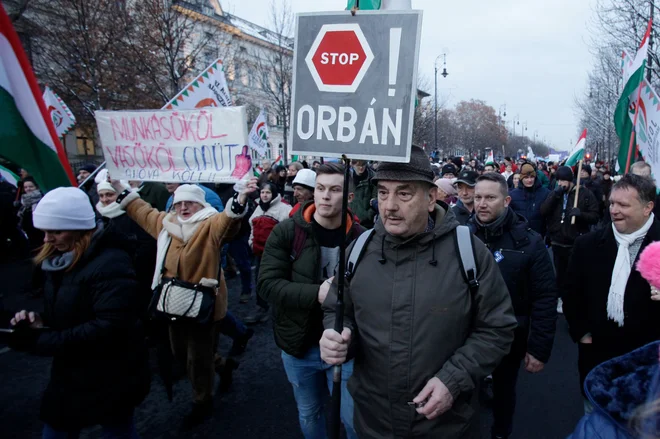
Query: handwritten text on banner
{"points": [[188, 146]]}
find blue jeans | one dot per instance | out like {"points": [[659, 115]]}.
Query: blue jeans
{"points": [[239, 250], [311, 379], [121, 430], [232, 326]]}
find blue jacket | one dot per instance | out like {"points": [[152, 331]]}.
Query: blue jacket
{"points": [[211, 197], [616, 388], [527, 202]]}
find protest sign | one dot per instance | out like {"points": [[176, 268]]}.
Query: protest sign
{"points": [[258, 137], [209, 89], [186, 146], [355, 84]]}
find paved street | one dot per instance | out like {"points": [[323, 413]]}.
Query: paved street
{"points": [[260, 403]]}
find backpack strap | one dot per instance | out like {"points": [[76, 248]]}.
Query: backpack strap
{"points": [[356, 252], [299, 238], [466, 253]]}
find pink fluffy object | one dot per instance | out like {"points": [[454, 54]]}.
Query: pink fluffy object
{"points": [[649, 264]]}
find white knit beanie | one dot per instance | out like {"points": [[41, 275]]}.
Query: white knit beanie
{"points": [[190, 192], [107, 186], [64, 208]]}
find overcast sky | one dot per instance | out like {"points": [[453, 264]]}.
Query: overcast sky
{"points": [[531, 55]]}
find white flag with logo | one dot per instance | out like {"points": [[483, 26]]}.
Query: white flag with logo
{"points": [[258, 137], [62, 117], [209, 89]]}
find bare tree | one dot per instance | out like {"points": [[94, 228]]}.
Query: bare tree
{"points": [[169, 43], [274, 66], [16, 9]]}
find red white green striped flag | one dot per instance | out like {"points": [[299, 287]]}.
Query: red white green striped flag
{"points": [[577, 153], [633, 73], [27, 134]]}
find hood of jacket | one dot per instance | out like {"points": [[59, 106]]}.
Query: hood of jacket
{"points": [[303, 217], [618, 387]]}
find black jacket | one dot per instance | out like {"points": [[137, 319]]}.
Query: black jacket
{"points": [[99, 371], [553, 208], [461, 213], [527, 202], [597, 189], [585, 301], [529, 276]]}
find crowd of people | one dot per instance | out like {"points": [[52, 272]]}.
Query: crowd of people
{"points": [[127, 267]]}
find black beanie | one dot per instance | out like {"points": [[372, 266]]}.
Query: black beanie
{"points": [[586, 168], [564, 173]]}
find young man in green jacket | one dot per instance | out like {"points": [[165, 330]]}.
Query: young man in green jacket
{"points": [[297, 267]]}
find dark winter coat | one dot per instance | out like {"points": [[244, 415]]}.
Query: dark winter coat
{"points": [[155, 194], [364, 192], [413, 318], [292, 286], [461, 213], [527, 270], [527, 202], [585, 301], [565, 233], [596, 189], [99, 371], [616, 389]]}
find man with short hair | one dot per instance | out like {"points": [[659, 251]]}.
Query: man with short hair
{"points": [[464, 185], [297, 267], [490, 167], [558, 211], [643, 169], [525, 265], [611, 313], [526, 200], [421, 347]]}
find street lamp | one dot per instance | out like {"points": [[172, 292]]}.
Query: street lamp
{"points": [[444, 75], [516, 120]]}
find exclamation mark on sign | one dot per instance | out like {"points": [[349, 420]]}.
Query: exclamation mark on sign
{"points": [[395, 46]]}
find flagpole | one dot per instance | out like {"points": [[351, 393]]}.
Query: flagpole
{"points": [[634, 131], [577, 189]]}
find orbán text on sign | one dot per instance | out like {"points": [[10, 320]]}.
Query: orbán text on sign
{"points": [[339, 58]]}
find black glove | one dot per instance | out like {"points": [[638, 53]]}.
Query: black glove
{"points": [[23, 339], [575, 211]]}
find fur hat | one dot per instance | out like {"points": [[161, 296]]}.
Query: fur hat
{"points": [[527, 170], [418, 169], [305, 177], [564, 173], [64, 208], [190, 192]]}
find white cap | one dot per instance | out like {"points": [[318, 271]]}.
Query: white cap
{"points": [[107, 186], [305, 177], [190, 192], [64, 208]]}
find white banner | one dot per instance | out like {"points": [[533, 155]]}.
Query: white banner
{"points": [[209, 89], [62, 117], [648, 127], [258, 137], [187, 146]]}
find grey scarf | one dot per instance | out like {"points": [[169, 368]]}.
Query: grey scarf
{"points": [[58, 262]]}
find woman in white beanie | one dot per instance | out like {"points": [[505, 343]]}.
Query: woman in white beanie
{"points": [[89, 323], [189, 240]]}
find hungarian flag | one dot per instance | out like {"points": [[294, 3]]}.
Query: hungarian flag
{"points": [[577, 153], [491, 158], [27, 134], [633, 74], [381, 4]]}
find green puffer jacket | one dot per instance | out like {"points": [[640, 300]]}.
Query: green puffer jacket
{"points": [[292, 287], [363, 193]]}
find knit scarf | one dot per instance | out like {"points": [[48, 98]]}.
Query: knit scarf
{"points": [[113, 210], [29, 201], [182, 229], [621, 272]]}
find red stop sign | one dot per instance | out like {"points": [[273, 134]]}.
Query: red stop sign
{"points": [[339, 57]]}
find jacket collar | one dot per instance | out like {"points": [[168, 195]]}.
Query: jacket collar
{"points": [[306, 214]]}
